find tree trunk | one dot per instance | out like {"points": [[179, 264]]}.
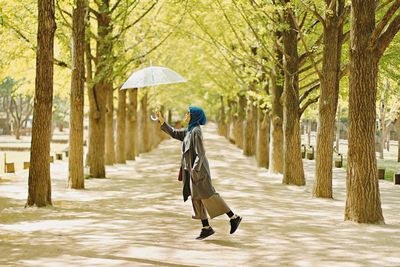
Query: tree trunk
{"points": [[363, 202], [231, 121], [309, 132], [228, 121], [338, 128], [144, 125], [169, 116], [110, 141], [75, 159], [239, 122], [90, 90], [388, 129], [132, 125], [39, 182], [382, 129], [121, 126], [398, 138], [293, 172], [222, 119], [263, 139], [328, 101], [250, 130], [276, 143], [97, 113], [17, 130]]}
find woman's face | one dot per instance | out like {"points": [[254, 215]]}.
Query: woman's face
{"points": [[187, 117]]}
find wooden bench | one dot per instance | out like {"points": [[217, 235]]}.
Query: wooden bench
{"points": [[396, 178], [339, 161], [27, 164], [310, 153], [59, 156], [381, 174], [9, 167], [303, 151]]}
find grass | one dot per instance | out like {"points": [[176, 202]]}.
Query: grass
{"points": [[391, 167]]}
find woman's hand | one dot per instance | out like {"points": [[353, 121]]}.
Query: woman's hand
{"points": [[160, 118]]}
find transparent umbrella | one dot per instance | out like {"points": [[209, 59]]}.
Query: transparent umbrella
{"points": [[152, 76]]}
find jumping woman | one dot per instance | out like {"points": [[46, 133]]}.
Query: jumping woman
{"points": [[195, 172]]}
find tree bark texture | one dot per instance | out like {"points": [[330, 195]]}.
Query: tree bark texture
{"points": [[276, 143], [145, 145], [17, 130], [338, 128], [75, 160], [222, 119], [363, 202], [110, 140], [309, 124], [398, 138], [263, 139], [90, 90], [232, 121], [329, 94], [238, 131], [97, 113], [250, 130], [121, 127], [229, 120], [384, 125], [293, 172], [39, 182], [132, 125]]}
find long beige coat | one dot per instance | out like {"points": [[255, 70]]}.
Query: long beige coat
{"points": [[196, 174]]}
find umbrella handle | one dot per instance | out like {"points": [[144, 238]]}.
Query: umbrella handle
{"points": [[153, 118]]}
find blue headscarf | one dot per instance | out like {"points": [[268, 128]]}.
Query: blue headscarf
{"points": [[197, 117]]}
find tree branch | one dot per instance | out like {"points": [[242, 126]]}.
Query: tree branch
{"points": [[95, 12], [386, 37], [115, 6], [309, 91], [231, 26], [305, 44], [60, 63], [310, 66], [136, 21], [309, 84], [22, 36], [303, 57], [62, 12], [303, 20], [314, 11], [307, 104], [382, 24]]}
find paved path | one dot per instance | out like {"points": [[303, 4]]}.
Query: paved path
{"points": [[137, 218]]}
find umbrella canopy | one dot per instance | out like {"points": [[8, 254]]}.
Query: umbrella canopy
{"points": [[152, 76]]}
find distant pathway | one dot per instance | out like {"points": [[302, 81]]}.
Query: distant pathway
{"points": [[137, 218]]}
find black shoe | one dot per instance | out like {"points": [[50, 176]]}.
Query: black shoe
{"points": [[235, 223], [205, 232]]}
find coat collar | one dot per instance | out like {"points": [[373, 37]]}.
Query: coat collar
{"points": [[188, 139], [187, 142]]}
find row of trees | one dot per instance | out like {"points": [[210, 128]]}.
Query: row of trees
{"points": [[256, 65], [107, 26], [296, 46], [17, 108]]}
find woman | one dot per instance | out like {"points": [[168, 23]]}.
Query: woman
{"points": [[195, 172]]}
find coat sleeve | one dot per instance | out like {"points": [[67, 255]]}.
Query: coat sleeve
{"points": [[178, 134], [199, 150]]}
